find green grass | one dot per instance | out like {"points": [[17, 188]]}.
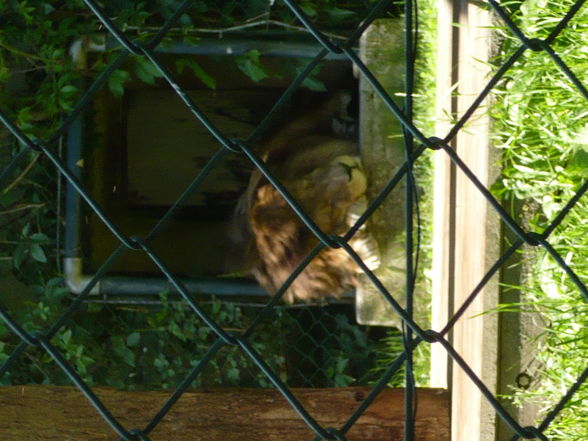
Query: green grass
{"points": [[424, 119], [541, 126]]}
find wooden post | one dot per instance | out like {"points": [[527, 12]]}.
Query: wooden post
{"points": [[444, 192], [467, 230], [32, 413]]}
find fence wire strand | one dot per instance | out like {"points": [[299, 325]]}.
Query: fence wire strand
{"points": [[227, 147]]}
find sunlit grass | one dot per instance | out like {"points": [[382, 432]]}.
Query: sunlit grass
{"points": [[541, 126]]}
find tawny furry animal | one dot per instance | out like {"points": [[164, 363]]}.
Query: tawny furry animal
{"points": [[322, 172]]}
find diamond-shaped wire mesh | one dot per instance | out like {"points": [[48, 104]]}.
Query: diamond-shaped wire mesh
{"points": [[241, 340]]}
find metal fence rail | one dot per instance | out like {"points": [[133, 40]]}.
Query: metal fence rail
{"points": [[416, 143]]}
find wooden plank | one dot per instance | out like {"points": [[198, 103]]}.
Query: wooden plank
{"points": [[467, 235], [31, 413], [477, 244], [444, 194]]}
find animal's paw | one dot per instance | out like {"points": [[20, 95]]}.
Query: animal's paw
{"points": [[367, 249], [356, 210]]}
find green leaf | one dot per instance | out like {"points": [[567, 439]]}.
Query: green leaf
{"points": [[133, 339], [4, 73], [40, 237], [233, 374], [117, 80], [47, 8], [66, 336], [250, 65], [18, 255], [120, 348], [146, 71], [26, 230], [185, 20], [208, 81], [309, 9], [342, 364], [216, 307], [579, 164], [37, 253], [314, 84], [338, 14], [175, 329], [311, 82], [342, 380], [160, 362], [68, 90]]}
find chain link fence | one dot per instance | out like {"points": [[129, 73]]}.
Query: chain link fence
{"points": [[416, 144]]}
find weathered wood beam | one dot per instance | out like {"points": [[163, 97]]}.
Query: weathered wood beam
{"points": [[33, 413], [466, 229]]}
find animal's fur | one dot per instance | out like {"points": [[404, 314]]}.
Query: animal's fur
{"points": [[323, 174]]}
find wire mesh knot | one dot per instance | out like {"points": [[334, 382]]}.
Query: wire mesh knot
{"points": [[236, 145], [135, 243], [435, 143], [232, 338], [531, 432], [33, 339], [137, 435], [535, 44], [334, 241], [534, 239], [431, 336], [334, 48], [35, 146], [334, 434]]}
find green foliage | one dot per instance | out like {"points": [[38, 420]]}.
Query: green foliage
{"points": [[146, 71], [43, 83], [151, 347], [540, 126], [333, 14], [117, 80], [182, 63], [134, 347], [250, 65], [311, 82], [325, 347], [348, 363]]}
